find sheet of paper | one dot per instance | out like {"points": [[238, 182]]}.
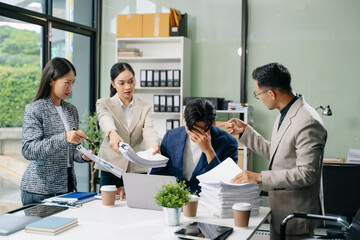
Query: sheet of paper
{"points": [[224, 172], [147, 154]]}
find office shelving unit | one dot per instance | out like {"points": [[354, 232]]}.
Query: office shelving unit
{"points": [[246, 115], [163, 53]]}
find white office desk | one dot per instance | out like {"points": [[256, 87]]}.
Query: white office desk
{"points": [[121, 222]]}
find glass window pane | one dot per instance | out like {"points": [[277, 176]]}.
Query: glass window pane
{"points": [[78, 11], [20, 68], [33, 5], [76, 48], [20, 73]]}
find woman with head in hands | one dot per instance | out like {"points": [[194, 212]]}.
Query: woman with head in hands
{"points": [[124, 118], [48, 140]]}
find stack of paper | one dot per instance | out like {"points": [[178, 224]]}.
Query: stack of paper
{"points": [[128, 52], [51, 225], [219, 195], [144, 158], [353, 156]]}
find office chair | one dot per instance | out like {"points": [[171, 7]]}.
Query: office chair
{"points": [[341, 189], [352, 230]]}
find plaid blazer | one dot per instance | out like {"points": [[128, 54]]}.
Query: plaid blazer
{"points": [[44, 145]]}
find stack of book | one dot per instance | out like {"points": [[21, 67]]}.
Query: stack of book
{"points": [[219, 195], [353, 156], [128, 52], [51, 225]]}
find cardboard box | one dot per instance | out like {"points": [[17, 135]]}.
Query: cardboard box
{"points": [[129, 26], [240, 162], [156, 25]]}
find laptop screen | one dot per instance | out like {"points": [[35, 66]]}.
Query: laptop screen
{"points": [[141, 188]]}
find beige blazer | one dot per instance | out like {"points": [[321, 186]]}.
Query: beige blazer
{"points": [[295, 153], [140, 136]]}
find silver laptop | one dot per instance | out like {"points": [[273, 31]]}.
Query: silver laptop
{"points": [[141, 188], [17, 219]]}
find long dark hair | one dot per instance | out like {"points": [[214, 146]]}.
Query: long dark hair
{"points": [[54, 69], [116, 69]]}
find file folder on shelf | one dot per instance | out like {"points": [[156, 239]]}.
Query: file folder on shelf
{"points": [[143, 78], [169, 124], [144, 158], [170, 81], [176, 123], [162, 103], [176, 103], [156, 103], [169, 103], [176, 78], [156, 78], [163, 78], [149, 78]]}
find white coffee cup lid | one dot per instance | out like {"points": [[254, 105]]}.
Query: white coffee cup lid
{"points": [[242, 206], [193, 198], [108, 188]]}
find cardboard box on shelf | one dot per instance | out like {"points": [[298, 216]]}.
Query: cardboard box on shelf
{"points": [[240, 162], [129, 26], [156, 25]]}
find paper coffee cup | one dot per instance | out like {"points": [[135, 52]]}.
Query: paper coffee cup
{"points": [[108, 193], [241, 214], [190, 209]]}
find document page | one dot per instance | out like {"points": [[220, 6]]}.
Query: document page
{"points": [[224, 172]]}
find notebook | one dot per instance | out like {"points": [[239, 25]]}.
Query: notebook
{"points": [[76, 196], [51, 225], [141, 188]]}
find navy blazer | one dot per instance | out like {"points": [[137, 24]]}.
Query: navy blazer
{"points": [[173, 144]]}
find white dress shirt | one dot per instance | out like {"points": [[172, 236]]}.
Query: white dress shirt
{"points": [[128, 112], [191, 157]]}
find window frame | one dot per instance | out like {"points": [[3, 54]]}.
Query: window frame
{"points": [[48, 22]]}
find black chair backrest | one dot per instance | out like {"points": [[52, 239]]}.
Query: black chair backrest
{"points": [[354, 230], [341, 184]]}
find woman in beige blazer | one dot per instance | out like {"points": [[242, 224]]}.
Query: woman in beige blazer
{"points": [[124, 118]]}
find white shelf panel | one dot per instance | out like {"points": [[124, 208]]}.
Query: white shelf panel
{"points": [[165, 113], [151, 40], [158, 90], [148, 59]]}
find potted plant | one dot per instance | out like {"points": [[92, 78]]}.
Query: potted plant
{"points": [[172, 197], [90, 126]]}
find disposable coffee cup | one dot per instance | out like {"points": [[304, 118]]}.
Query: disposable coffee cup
{"points": [[241, 214], [190, 209], [108, 193]]}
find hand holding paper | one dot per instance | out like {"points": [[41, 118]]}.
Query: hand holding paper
{"points": [[144, 158], [110, 167]]}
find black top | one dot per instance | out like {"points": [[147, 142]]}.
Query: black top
{"points": [[286, 109]]}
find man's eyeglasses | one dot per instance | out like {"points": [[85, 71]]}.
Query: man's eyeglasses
{"points": [[256, 95]]}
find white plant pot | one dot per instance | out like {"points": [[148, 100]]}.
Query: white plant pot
{"points": [[171, 216]]}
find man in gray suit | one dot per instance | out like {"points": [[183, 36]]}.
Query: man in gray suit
{"points": [[295, 151]]}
